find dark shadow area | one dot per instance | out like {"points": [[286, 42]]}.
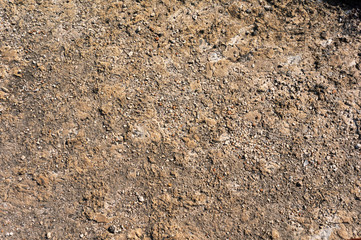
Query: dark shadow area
{"points": [[352, 20], [345, 4]]}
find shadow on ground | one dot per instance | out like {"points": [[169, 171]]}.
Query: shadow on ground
{"points": [[345, 3]]}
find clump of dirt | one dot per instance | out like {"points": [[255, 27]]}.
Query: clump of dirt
{"points": [[180, 119]]}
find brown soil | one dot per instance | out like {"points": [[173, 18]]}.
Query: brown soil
{"points": [[160, 119]]}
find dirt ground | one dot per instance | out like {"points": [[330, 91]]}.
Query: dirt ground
{"points": [[180, 119]]}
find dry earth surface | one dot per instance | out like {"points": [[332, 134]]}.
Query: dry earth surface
{"points": [[165, 119]]}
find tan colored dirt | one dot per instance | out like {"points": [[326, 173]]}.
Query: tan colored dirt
{"points": [[184, 119]]}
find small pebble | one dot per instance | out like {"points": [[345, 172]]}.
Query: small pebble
{"points": [[275, 234], [305, 163], [268, 8], [141, 198], [323, 35], [111, 229], [358, 146], [5, 89]]}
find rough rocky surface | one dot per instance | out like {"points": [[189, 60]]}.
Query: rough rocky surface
{"points": [[168, 119]]}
